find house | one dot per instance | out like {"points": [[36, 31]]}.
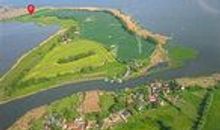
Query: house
{"points": [[52, 120], [125, 114], [78, 124], [152, 99], [112, 120], [92, 125], [115, 118]]}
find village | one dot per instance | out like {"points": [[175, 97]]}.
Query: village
{"points": [[151, 96]]}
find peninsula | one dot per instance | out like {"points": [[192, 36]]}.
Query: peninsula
{"points": [[92, 43]]}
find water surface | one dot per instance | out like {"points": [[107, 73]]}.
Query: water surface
{"points": [[18, 38]]}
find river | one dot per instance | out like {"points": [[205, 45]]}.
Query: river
{"points": [[192, 23]]}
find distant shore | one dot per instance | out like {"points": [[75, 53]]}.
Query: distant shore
{"points": [[8, 13]]}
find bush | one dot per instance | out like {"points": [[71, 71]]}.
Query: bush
{"points": [[75, 57]]}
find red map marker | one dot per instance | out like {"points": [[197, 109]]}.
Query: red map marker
{"points": [[30, 9]]}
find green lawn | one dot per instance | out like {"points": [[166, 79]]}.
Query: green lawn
{"points": [[138, 122], [106, 101], [49, 66], [213, 116]]}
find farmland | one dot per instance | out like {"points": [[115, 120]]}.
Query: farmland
{"points": [[212, 116], [49, 66]]}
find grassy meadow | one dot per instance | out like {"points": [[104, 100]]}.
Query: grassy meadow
{"points": [[49, 66], [211, 121]]}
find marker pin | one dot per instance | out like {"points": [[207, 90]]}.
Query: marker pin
{"points": [[30, 9]]}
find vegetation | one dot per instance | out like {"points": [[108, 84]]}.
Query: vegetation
{"points": [[66, 108], [202, 111], [96, 44], [167, 117], [75, 58], [106, 101], [83, 53], [191, 104], [179, 55], [106, 29], [211, 120], [8, 83], [139, 122], [108, 47]]}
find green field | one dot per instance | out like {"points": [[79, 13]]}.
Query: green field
{"points": [[49, 66], [213, 116]]}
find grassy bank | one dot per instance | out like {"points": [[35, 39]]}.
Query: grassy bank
{"points": [[212, 117]]}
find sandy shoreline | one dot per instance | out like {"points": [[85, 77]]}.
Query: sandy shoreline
{"points": [[8, 13]]}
